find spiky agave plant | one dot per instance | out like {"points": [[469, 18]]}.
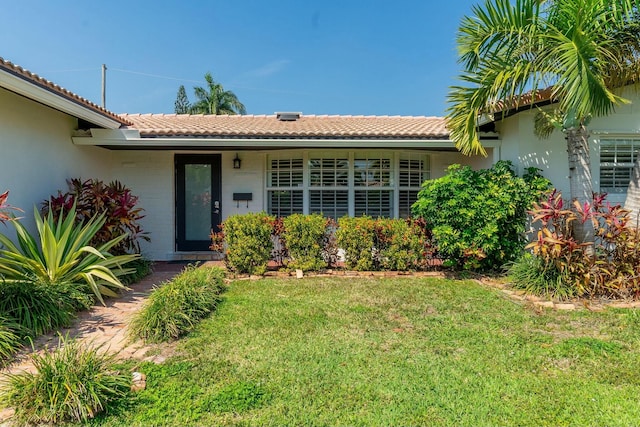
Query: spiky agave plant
{"points": [[63, 255]]}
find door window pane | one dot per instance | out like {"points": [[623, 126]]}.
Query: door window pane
{"points": [[197, 201]]}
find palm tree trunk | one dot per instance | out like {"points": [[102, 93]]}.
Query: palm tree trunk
{"points": [[580, 182], [632, 202]]}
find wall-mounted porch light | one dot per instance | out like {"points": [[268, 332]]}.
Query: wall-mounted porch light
{"points": [[236, 162]]}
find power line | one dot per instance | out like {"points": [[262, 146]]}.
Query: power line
{"points": [[158, 76]]}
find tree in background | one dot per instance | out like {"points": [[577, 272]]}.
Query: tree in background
{"points": [[213, 99], [182, 104], [509, 49]]}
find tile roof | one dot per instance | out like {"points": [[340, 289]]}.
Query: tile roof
{"points": [[60, 91], [528, 99], [307, 126]]}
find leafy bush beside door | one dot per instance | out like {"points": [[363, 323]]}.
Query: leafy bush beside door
{"points": [[115, 201]]}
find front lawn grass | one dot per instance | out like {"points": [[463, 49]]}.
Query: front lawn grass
{"points": [[401, 351]]}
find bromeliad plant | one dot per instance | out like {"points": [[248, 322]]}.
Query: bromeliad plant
{"points": [[64, 255]]}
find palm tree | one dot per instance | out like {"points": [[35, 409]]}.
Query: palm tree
{"points": [[572, 47], [215, 100]]}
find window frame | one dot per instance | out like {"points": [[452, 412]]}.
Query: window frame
{"points": [[394, 188], [621, 186]]}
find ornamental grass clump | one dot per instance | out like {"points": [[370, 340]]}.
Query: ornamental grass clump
{"points": [[175, 307], [39, 308], [9, 340], [72, 383]]}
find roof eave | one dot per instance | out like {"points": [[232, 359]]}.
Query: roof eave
{"points": [[21, 86], [131, 141]]}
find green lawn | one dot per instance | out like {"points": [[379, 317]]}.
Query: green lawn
{"points": [[406, 351]]}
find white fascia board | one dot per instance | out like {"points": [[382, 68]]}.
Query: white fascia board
{"points": [[221, 143], [117, 134], [171, 143], [51, 99]]}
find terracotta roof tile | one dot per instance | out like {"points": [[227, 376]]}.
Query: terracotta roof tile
{"points": [[307, 126], [528, 99], [60, 91]]}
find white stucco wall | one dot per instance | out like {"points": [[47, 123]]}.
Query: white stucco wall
{"points": [[151, 176], [520, 145], [440, 161], [38, 154]]}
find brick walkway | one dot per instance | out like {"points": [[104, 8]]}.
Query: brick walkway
{"points": [[104, 325]]}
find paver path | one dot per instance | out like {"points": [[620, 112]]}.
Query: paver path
{"points": [[105, 325]]}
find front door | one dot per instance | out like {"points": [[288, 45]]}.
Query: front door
{"points": [[197, 200]]}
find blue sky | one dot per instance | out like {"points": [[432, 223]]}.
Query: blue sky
{"points": [[318, 57]]}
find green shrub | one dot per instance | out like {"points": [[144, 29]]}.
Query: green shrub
{"points": [[72, 383], [305, 238], [9, 340], [38, 308], [356, 236], [63, 255], [248, 240], [478, 218], [175, 307], [114, 200], [384, 244], [401, 245]]}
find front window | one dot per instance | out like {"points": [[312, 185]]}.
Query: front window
{"points": [[284, 186], [617, 157], [378, 184]]}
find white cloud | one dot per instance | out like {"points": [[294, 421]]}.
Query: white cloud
{"points": [[269, 69]]}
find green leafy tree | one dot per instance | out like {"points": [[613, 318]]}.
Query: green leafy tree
{"points": [[213, 99], [580, 49], [182, 104]]}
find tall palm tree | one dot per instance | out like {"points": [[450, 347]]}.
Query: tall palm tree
{"points": [[215, 100], [570, 46]]}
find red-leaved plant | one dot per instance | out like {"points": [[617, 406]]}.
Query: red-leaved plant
{"points": [[93, 197], [608, 266], [5, 208]]}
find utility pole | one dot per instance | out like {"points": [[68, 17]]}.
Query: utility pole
{"points": [[104, 86]]}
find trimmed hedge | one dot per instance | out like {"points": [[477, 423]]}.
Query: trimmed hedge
{"points": [[312, 242], [308, 241]]}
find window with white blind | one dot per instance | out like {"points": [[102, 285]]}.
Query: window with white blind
{"points": [[413, 170], [285, 195], [374, 183], [617, 157]]}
